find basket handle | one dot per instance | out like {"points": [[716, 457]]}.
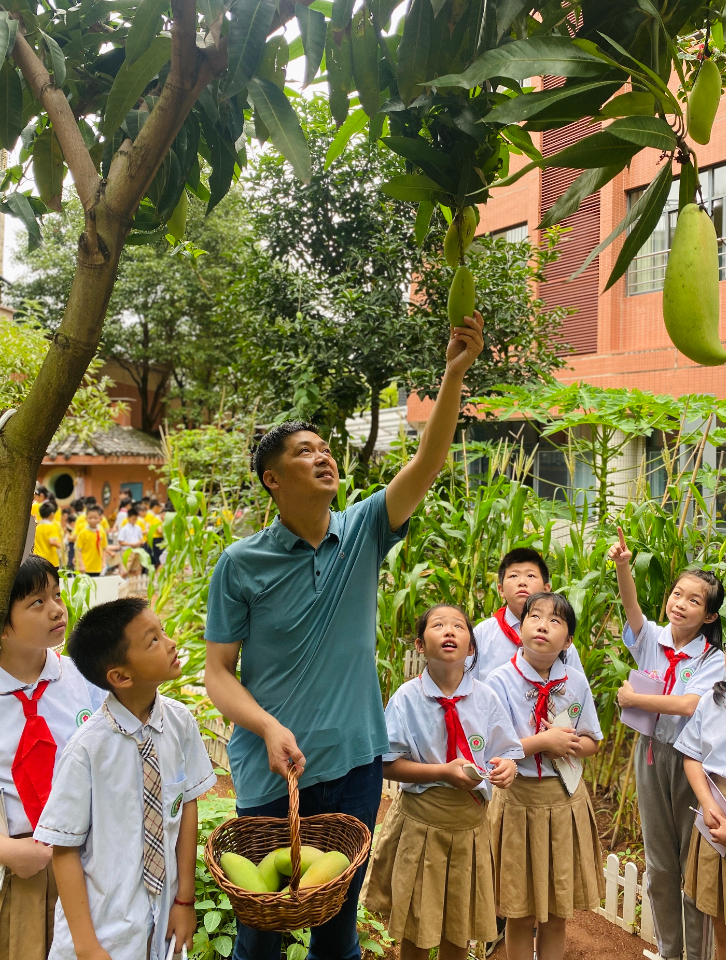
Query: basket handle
{"points": [[293, 817]]}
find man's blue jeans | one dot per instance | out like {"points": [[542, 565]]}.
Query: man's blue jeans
{"points": [[358, 793]]}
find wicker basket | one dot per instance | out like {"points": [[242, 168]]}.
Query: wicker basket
{"points": [[255, 837]]}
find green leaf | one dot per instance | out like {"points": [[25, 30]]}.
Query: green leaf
{"points": [[634, 104], [11, 105], [434, 163], [645, 131], [507, 13], [212, 920], [355, 123], [645, 225], [413, 50], [522, 139], [555, 56], [414, 186], [48, 166], [341, 14], [223, 945], [517, 175], [365, 61], [18, 205], [248, 29], [58, 61], [283, 124], [598, 150], [423, 219], [312, 30], [339, 61], [586, 184], [131, 81], [531, 104], [717, 35], [145, 25], [688, 183], [8, 32], [630, 217]]}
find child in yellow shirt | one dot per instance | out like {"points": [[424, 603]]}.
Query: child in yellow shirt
{"points": [[92, 543], [48, 535]]}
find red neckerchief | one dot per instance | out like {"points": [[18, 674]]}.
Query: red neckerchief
{"points": [[455, 736], [509, 632], [673, 659], [32, 767], [540, 710]]}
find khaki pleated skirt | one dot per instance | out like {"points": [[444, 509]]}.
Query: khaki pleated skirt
{"points": [[432, 870], [26, 916], [704, 876], [547, 854]]}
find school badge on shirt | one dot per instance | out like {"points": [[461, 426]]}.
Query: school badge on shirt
{"points": [[686, 674], [476, 742], [574, 710], [82, 716], [177, 803]]}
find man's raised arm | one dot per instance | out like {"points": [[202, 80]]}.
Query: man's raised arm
{"points": [[237, 704], [409, 486]]}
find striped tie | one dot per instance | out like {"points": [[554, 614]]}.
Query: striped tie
{"points": [[154, 868]]}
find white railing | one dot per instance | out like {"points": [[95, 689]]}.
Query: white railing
{"points": [[646, 272]]}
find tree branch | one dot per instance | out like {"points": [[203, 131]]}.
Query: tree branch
{"points": [[61, 116], [189, 74]]}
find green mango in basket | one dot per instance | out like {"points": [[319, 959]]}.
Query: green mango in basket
{"points": [[325, 868], [269, 872], [308, 855], [242, 873]]}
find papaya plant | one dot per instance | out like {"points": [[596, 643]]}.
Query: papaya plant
{"points": [[129, 96]]}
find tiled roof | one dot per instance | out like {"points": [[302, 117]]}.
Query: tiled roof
{"points": [[116, 442]]}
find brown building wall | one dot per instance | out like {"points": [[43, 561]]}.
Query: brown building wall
{"points": [[93, 477]]}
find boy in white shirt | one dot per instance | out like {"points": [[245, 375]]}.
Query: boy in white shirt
{"points": [[522, 573], [122, 813]]}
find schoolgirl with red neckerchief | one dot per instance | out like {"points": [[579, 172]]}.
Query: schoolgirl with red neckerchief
{"points": [[432, 870], [522, 572], [685, 653], [43, 700], [547, 856]]}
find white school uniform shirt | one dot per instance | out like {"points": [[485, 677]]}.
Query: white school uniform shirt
{"points": [[68, 701], [97, 804], [495, 648], [416, 727], [519, 697], [704, 736], [131, 534], [696, 675]]}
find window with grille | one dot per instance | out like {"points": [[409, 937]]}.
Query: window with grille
{"points": [[647, 271], [512, 234]]}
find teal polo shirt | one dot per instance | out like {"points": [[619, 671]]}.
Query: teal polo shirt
{"points": [[307, 622]]}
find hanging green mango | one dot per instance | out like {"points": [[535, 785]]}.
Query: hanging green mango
{"points": [[703, 102], [459, 236], [462, 297], [690, 290]]}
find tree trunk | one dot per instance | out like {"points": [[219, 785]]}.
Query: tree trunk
{"points": [[370, 445]]}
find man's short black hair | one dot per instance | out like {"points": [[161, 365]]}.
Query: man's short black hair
{"points": [[78, 505], [273, 443], [99, 642], [46, 510], [524, 555], [32, 577]]}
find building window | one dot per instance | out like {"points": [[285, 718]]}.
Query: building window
{"points": [[647, 271], [512, 234]]}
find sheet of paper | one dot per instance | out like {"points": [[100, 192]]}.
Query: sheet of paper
{"points": [[568, 769], [642, 720], [3, 830], [701, 826]]}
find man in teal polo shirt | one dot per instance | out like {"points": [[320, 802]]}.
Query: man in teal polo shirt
{"points": [[299, 599]]}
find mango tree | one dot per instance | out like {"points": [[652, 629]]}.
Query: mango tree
{"points": [[128, 95]]}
